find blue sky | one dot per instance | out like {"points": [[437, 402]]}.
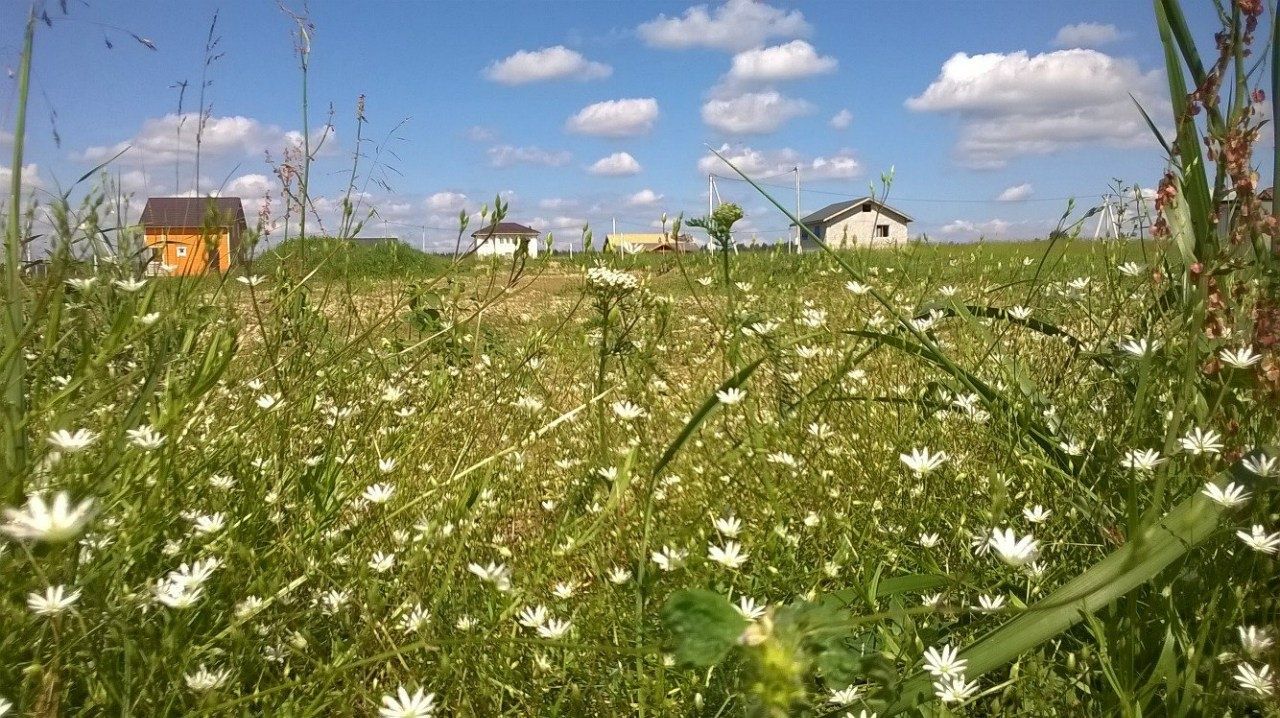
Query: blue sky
{"points": [[967, 101]]}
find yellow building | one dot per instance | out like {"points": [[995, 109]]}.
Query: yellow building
{"points": [[636, 242], [193, 235]]}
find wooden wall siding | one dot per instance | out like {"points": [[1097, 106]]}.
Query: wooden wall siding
{"points": [[196, 260]]}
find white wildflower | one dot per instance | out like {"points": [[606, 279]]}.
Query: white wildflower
{"points": [[669, 559], [1013, 550], [554, 628], [954, 690], [730, 555], [72, 441], [922, 461], [204, 680], [54, 600], [49, 522], [404, 705], [945, 662], [1259, 540], [1257, 680], [730, 396], [1197, 441], [145, 437], [1230, 496]]}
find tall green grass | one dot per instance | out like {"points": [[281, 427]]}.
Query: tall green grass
{"points": [[551, 486]]}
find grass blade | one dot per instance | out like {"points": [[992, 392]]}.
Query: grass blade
{"points": [[1133, 565], [708, 406]]}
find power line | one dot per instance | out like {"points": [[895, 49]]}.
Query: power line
{"points": [[414, 226], [772, 176], [911, 199]]}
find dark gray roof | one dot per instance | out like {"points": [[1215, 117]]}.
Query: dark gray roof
{"points": [[193, 212], [837, 208], [505, 229]]}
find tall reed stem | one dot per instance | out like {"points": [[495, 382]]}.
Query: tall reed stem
{"points": [[15, 291]]}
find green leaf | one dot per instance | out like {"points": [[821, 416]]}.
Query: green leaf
{"points": [[1132, 565], [1275, 108], [911, 583], [1041, 326], [1035, 430], [1181, 231], [826, 636], [1166, 666], [705, 624], [735, 381], [1193, 192], [1168, 151]]}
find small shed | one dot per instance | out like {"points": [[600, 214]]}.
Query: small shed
{"points": [[193, 235], [502, 239], [864, 221]]}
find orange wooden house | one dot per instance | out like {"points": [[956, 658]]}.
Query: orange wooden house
{"points": [[193, 235]]}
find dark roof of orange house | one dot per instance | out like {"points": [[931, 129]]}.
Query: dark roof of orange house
{"points": [[193, 212], [505, 229]]}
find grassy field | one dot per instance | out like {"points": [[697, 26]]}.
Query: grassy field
{"points": [[550, 491], [1032, 479]]}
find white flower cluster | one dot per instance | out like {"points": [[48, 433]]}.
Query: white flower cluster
{"points": [[611, 279], [183, 587], [949, 668]]}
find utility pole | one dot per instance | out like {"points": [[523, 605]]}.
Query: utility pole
{"points": [[424, 239], [798, 235], [1108, 216]]}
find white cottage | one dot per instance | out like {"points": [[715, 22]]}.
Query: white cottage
{"points": [[503, 238], [858, 222]]}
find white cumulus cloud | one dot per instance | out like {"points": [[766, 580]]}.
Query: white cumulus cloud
{"points": [[760, 163], [557, 203], [173, 137], [790, 61], [992, 228], [1086, 34], [480, 133], [753, 112], [136, 182], [1020, 104], [617, 164], [549, 63], [446, 202], [558, 223], [1016, 192], [735, 25], [644, 198], [249, 186], [509, 155], [615, 118], [30, 179], [841, 120]]}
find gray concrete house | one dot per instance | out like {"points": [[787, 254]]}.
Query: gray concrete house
{"points": [[862, 222]]}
